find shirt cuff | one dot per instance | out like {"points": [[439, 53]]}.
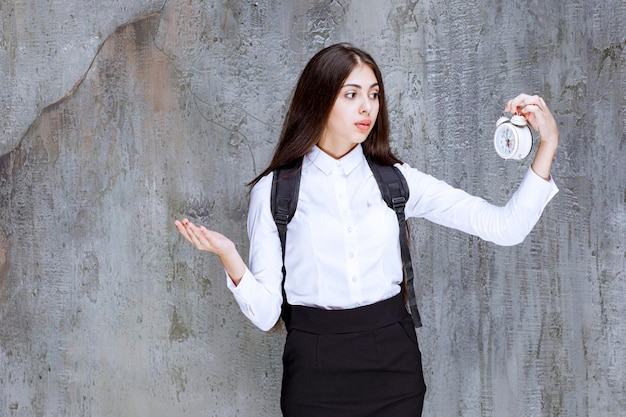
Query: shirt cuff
{"points": [[536, 188], [243, 292]]}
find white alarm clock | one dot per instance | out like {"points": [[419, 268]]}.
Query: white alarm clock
{"points": [[512, 139]]}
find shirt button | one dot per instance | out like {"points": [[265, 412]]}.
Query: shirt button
{"points": [[351, 255], [349, 229], [354, 279]]}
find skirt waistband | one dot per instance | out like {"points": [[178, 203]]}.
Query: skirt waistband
{"points": [[360, 319]]}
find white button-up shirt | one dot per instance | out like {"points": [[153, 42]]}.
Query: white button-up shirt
{"points": [[343, 249]]}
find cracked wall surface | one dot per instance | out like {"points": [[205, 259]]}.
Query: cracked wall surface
{"points": [[118, 117], [45, 48]]}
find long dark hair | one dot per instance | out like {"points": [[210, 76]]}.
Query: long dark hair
{"points": [[312, 101]]}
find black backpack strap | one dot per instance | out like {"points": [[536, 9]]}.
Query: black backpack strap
{"points": [[284, 200], [395, 192]]}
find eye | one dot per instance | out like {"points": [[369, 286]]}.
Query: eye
{"points": [[351, 94], [374, 95]]}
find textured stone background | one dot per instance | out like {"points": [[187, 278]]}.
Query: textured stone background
{"points": [[118, 117]]}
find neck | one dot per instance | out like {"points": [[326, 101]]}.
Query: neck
{"points": [[336, 153]]}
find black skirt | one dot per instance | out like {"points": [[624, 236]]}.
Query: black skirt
{"points": [[362, 362]]}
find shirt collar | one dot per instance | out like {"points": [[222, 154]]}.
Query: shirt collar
{"points": [[327, 163]]}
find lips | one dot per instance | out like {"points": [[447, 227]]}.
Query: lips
{"points": [[363, 124]]}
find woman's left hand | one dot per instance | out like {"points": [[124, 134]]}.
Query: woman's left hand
{"points": [[538, 115], [536, 111]]}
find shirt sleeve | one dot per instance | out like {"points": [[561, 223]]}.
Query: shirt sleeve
{"points": [[505, 225], [259, 292]]}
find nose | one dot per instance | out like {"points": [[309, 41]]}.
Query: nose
{"points": [[365, 107]]}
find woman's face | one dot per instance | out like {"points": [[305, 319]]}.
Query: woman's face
{"points": [[353, 114]]}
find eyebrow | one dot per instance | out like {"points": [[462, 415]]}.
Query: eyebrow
{"points": [[358, 86]]}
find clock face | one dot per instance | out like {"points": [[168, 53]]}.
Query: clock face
{"points": [[505, 141]]}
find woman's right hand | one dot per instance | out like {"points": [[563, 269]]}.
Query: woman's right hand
{"points": [[210, 241], [202, 238]]}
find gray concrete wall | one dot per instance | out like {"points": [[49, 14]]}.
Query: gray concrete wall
{"points": [[118, 117]]}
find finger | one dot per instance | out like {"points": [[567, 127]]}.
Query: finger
{"points": [[190, 232], [193, 230], [532, 103], [206, 239], [210, 236], [517, 104], [202, 238], [193, 237], [514, 103], [536, 106], [181, 229], [530, 108]]}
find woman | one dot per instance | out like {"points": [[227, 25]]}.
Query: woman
{"points": [[355, 352]]}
